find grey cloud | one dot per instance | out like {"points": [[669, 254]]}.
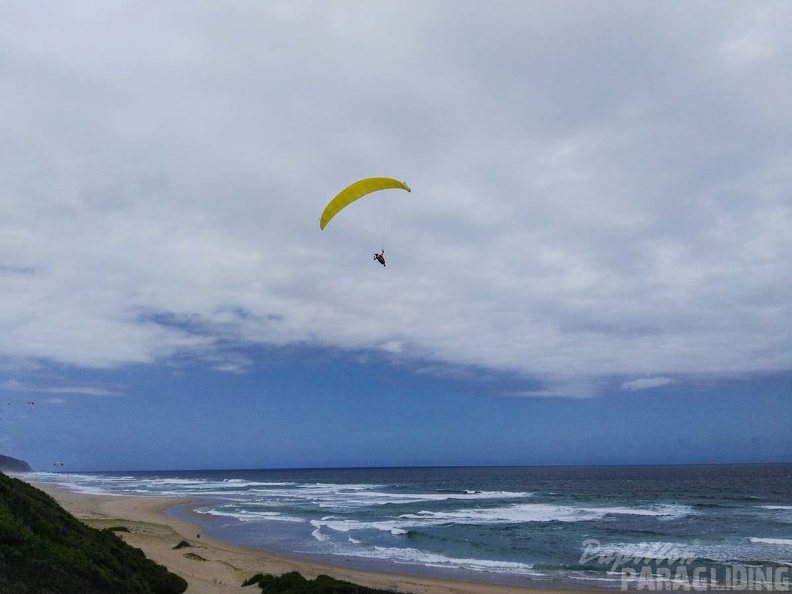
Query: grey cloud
{"points": [[597, 189]]}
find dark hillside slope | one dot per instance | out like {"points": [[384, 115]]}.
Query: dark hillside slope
{"points": [[44, 549], [9, 464]]}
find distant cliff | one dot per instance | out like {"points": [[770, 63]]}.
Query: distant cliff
{"points": [[8, 464]]}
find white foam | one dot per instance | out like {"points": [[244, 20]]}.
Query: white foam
{"points": [[660, 510], [84, 489], [232, 488], [513, 514], [340, 525], [415, 556], [397, 531], [245, 515], [317, 533], [787, 542], [331, 495], [538, 512], [739, 550], [654, 550]]}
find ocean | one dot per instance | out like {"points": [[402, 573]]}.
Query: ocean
{"points": [[706, 527]]}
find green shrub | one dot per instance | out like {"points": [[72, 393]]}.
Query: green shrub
{"points": [[44, 549], [294, 583]]}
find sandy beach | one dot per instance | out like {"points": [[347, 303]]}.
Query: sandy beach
{"points": [[214, 567]]}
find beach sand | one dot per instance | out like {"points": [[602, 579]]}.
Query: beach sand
{"points": [[214, 567]]}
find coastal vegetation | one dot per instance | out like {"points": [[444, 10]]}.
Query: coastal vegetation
{"points": [[44, 549], [294, 583]]}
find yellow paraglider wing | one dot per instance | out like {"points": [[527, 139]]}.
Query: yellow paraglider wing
{"points": [[357, 190]]}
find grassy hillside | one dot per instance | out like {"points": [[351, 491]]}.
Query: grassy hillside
{"points": [[44, 549]]}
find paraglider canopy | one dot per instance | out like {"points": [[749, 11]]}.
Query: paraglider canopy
{"points": [[356, 191]]}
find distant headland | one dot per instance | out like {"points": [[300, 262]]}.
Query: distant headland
{"points": [[9, 464]]}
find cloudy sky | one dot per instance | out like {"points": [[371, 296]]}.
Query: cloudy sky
{"points": [[593, 265]]}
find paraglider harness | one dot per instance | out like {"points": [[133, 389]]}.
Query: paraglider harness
{"points": [[380, 257]]}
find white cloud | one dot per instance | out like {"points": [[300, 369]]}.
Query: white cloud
{"points": [[18, 386], [592, 196], [646, 383], [393, 346]]}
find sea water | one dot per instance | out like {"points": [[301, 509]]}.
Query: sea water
{"points": [[648, 527]]}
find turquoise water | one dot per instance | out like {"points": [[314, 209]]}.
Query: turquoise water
{"points": [[714, 526]]}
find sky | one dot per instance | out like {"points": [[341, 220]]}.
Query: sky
{"points": [[592, 267]]}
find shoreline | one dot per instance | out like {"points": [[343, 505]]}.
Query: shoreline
{"points": [[211, 566]]}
